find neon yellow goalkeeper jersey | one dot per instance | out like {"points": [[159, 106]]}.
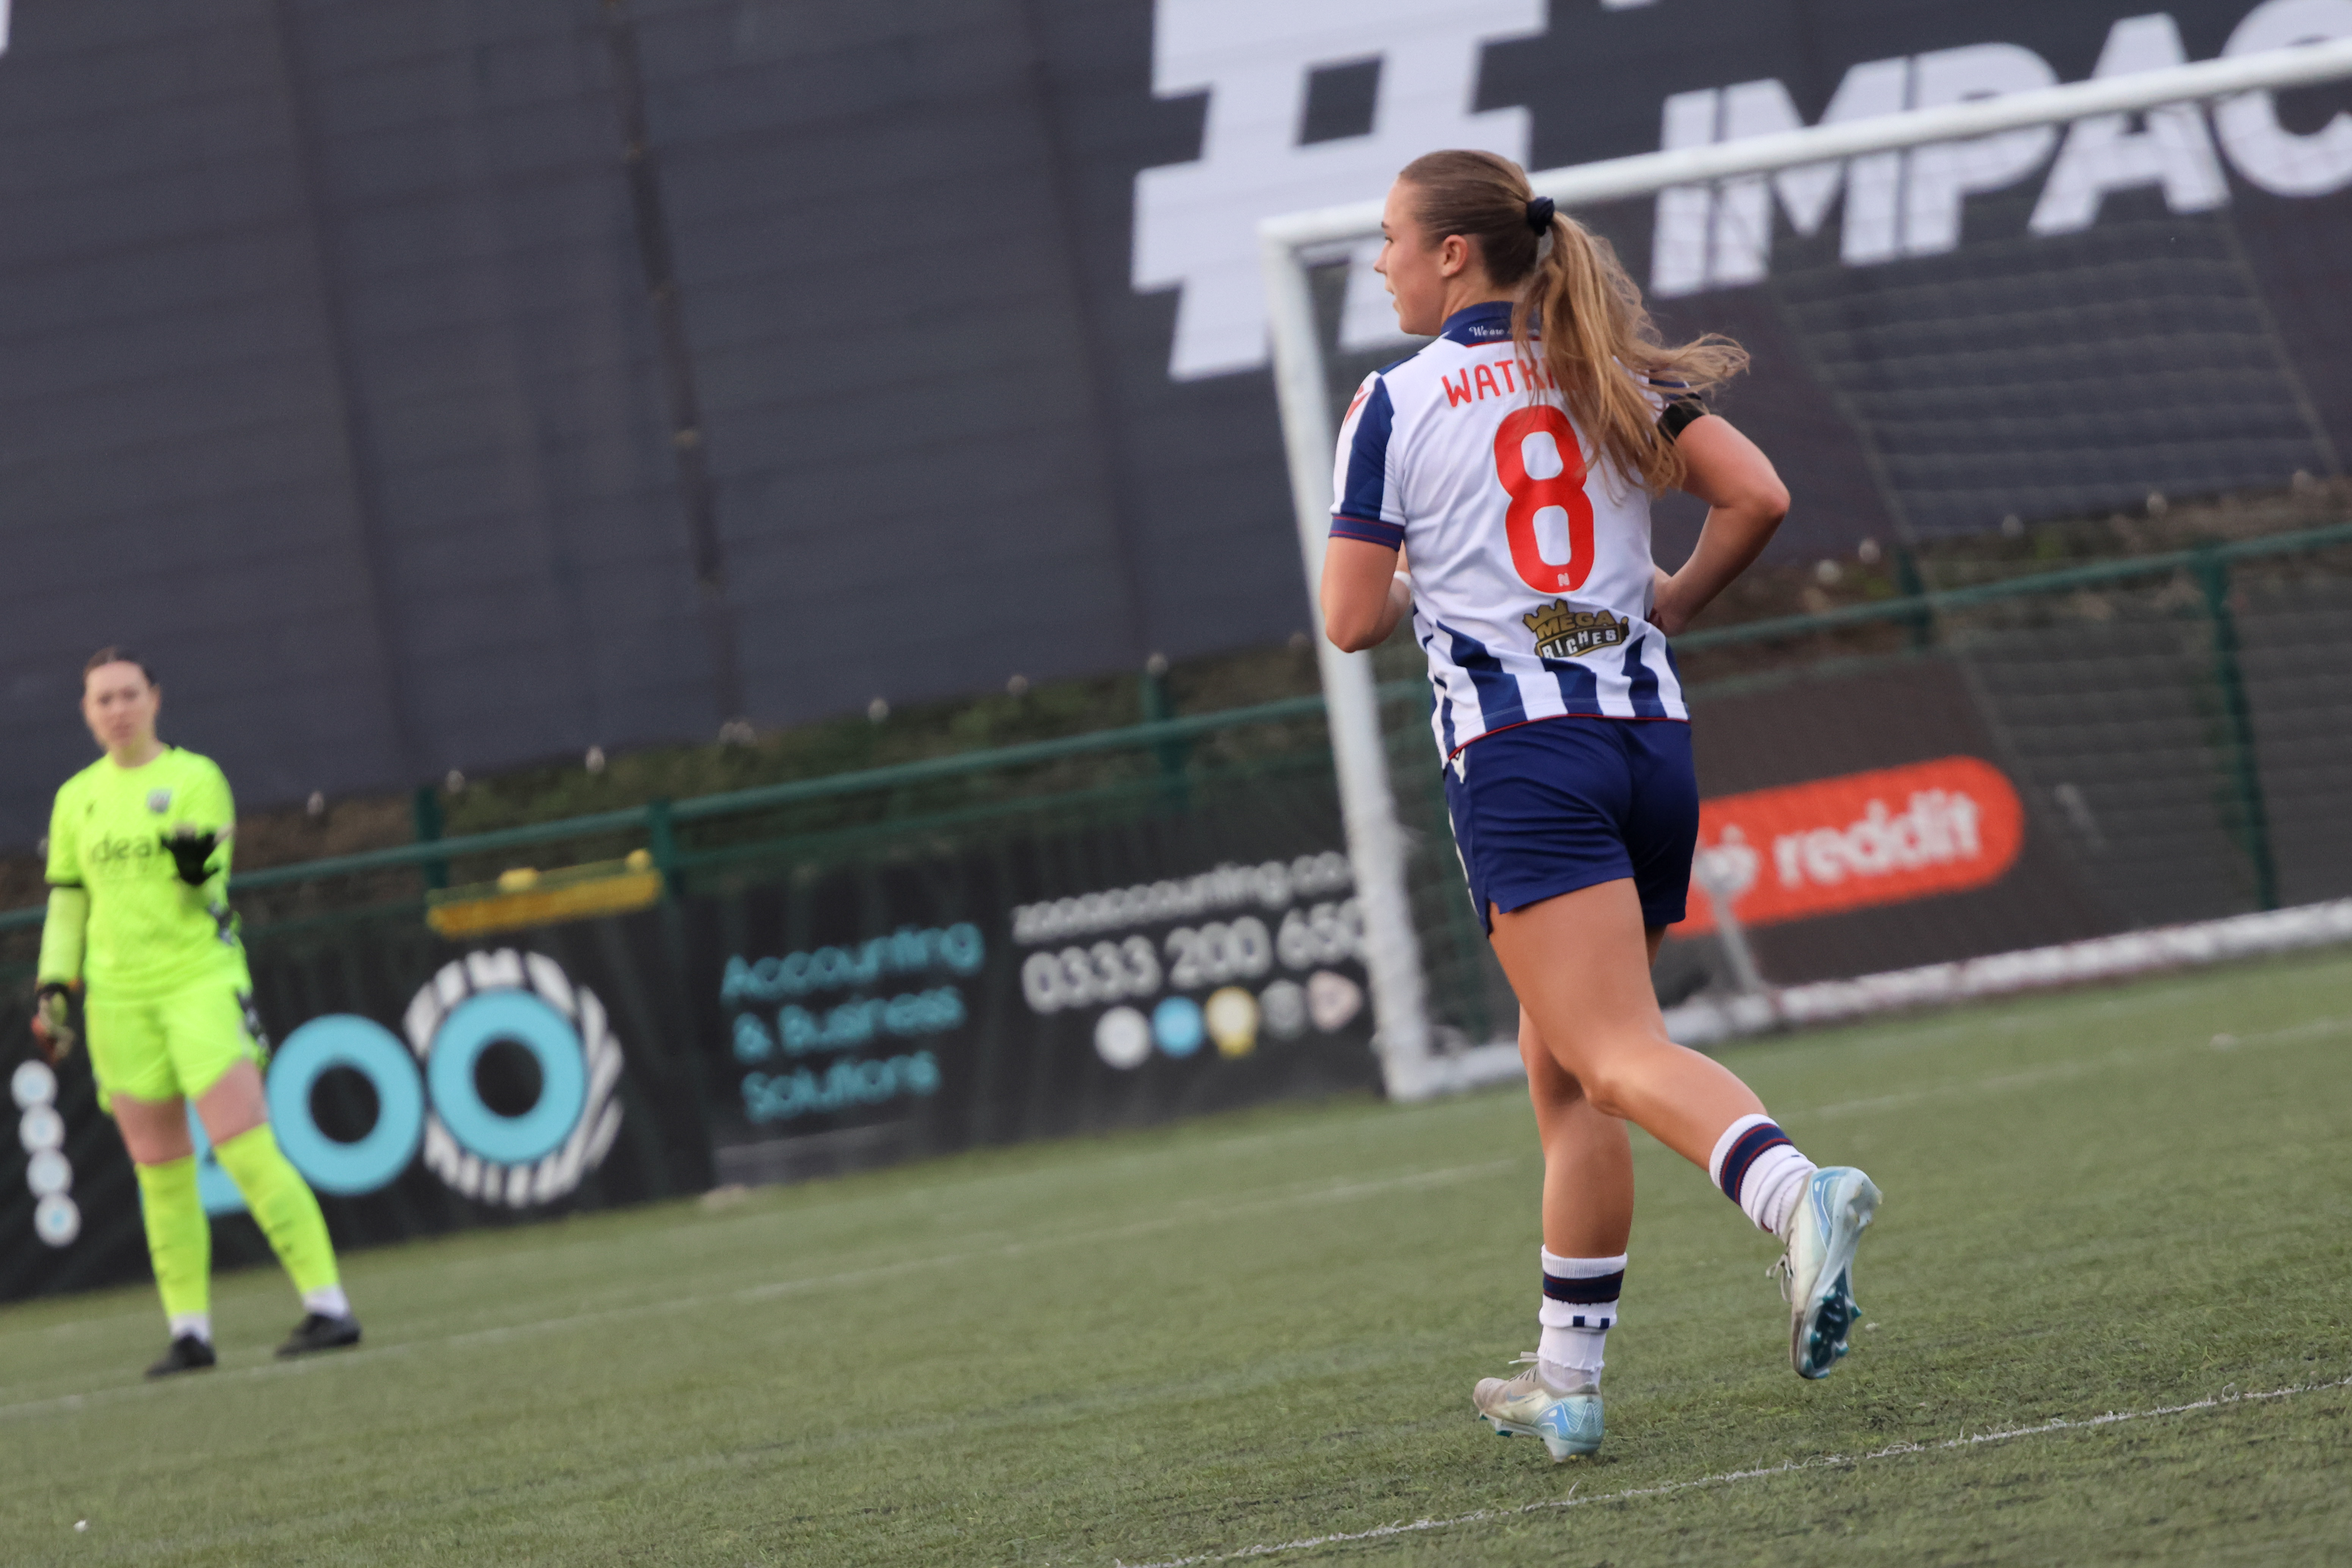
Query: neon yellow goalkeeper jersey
{"points": [[149, 933]]}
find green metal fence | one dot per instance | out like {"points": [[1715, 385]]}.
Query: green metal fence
{"points": [[1135, 770], [1944, 620], [2179, 726], [2198, 702]]}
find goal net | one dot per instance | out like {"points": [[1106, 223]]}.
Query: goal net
{"points": [[2055, 641]]}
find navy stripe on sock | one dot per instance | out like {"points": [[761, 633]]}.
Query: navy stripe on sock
{"points": [[1753, 1142], [1586, 1293]]}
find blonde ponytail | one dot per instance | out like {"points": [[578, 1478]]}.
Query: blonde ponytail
{"points": [[1578, 312]]}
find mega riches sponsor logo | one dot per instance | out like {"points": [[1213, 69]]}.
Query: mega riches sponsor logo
{"points": [[1562, 632], [1879, 838], [1250, 952]]}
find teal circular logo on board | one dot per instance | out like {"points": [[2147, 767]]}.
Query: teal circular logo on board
{"points": [[1176, 1024]]}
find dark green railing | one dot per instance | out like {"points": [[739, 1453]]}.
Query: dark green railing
{"points": [[2207, 565], [658, 820], [2202, 559]]}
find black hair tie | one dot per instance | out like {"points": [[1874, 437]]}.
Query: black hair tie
{"points": [[1539, 213]]}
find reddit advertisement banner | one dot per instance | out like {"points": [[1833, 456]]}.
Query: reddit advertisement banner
{"points": [[1885, 837]]}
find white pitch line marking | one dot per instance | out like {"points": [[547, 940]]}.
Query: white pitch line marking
{"points": [[2127, 1056], [1827, 1461], [1190, 1212]]}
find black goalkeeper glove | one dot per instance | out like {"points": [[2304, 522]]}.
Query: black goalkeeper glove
{"points": [[53, 1030], [190, 850]]}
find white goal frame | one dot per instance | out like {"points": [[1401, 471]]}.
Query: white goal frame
{"points": [[1289, 245]]}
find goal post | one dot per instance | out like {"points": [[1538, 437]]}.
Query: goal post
{"points": [[1294, 244]]}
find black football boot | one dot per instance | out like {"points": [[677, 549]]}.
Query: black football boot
{"points": [[317, 1331], [186, 1353]]}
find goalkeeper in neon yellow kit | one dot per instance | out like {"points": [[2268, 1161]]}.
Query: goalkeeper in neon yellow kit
{"points": [[139, 850]]}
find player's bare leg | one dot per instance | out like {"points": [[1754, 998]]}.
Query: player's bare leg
{"points": [[1580, 964], [1588, 1193], [1588, 1216]]}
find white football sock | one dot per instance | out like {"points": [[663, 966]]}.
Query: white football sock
{"points": [[328, 1301], [197, 1323], [1758, 1168], [1580, 1304], [1774, 1184]]}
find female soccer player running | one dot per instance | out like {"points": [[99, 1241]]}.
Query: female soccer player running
{"points": [[1512, 461], [138, 849]]}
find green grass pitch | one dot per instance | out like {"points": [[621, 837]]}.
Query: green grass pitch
{"points": [[1262, 1330]]}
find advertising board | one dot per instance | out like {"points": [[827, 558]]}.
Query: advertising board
{"points": [[824, 1017], [1073, 980]]}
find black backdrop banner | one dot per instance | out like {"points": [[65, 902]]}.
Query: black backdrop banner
{"points": [[358, 331]]}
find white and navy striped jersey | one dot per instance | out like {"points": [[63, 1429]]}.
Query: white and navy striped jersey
{"points": [[1531, 570]]}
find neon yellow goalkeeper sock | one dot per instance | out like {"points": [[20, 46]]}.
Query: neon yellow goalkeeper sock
{"points": [[281, 1204], [179, 1238]]}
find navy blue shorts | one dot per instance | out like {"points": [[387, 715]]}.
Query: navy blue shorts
{"points": [[1545, 808]]}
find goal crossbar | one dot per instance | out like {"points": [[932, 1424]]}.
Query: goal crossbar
{"points": [[1377, 843], [1646, 173]]}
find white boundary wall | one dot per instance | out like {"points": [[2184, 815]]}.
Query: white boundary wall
{"points": [[2120, 957], [1288, 245], [1710, 1022]]}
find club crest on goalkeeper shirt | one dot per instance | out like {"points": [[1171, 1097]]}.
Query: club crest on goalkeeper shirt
{"points": [[1465, 455]]}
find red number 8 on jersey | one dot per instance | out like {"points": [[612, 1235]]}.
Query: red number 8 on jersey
{"points": [[1530, 495]]}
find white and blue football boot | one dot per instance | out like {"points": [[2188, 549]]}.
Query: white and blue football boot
{"points": [[1817, 1270], [1567, 1419]]}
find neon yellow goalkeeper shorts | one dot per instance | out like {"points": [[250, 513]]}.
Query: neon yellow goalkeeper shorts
{"points": [[179, 1045]]}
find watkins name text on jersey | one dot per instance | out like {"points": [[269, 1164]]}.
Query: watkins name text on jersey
{"points": [[1531, 571]]}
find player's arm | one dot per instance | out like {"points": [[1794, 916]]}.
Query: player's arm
{"points": [[1366, 591], [1745, 503], [64, 933]]}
